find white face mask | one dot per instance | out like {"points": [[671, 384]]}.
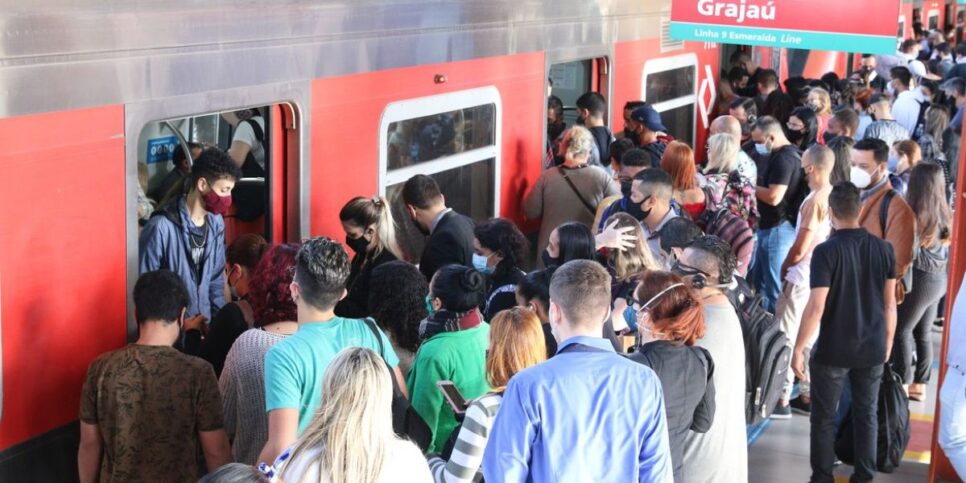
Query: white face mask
{"points": [[860, 178]]}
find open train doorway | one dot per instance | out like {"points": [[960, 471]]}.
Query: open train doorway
{"points": [[567, 80]]}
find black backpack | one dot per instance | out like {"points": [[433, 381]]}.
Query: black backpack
{"points": [[406, 421], [893, 431], [797, 198], [250, 196], [920, 128], [767, 354]]}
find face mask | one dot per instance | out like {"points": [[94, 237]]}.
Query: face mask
{"points": [[548, 260], [358, 245], [828, 137], [795, 136], [815, 105], [872, 115], [762, 149], [893, 162], [429, 305], [634, 209], [216, 204], [480, 263], [860, 178]]}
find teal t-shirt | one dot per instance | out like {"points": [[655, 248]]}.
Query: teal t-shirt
{"points": [[295, 367]]}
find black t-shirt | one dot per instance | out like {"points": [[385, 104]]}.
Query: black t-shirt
{"points": [[603, 137], [784, 167], [855, 266]]}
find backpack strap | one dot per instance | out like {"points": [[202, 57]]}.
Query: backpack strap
{"points": [[257, 130], [573, 187], [884, 209], [371, 324]]}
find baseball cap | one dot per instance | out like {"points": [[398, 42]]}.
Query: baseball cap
{"points": [[650, 118]]}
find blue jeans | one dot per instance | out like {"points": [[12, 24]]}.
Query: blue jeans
{"points": [[773, 246]]}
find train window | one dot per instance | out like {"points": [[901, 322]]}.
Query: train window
{"points": [[670, 86], [454, 138], [569, 81], [933, 19]]}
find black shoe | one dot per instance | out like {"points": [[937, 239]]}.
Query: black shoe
{"points": [[781, 412], [799, 406]]}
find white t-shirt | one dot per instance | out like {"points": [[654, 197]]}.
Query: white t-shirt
{"points": [[404, 462], [799, 273], [244, 133]]}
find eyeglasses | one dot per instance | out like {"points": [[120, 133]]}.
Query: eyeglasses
{"points": [[795, 127]]}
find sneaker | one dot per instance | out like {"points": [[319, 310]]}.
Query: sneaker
{"points": [[799, 406], [781, 412]]}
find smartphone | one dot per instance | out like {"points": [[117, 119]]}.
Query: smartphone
{"points": [[453, 397]]}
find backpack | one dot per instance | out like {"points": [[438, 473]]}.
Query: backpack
{"points": [[719, 220], [406, 421], [249, 195], [767, 353], [893, 427], [797, 199], [920, 128]]}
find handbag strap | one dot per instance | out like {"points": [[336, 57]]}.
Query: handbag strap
{"points": [[573, 187]]}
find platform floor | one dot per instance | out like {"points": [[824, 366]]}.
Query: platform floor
{"points": [[780, 452]]}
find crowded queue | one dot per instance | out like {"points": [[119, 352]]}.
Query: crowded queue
{"points": [[623, 357]]}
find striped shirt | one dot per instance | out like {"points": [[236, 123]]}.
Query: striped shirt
{"points": [[464, 463]]}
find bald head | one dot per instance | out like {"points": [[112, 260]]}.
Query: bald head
{"points": [[727, 125], [821, 157]]}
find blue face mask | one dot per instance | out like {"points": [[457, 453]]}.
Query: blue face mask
{"points": [[762, 149], [480, 263], [893, 163], [429, 305]]}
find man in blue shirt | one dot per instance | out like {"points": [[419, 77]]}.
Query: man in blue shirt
{"points": [[587, 414]]}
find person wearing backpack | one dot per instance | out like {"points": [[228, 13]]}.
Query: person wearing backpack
{"points": [[852, 305], [813, 227], [908, 104]]}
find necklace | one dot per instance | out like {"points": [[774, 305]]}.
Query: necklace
{"points": [[204, 239]]}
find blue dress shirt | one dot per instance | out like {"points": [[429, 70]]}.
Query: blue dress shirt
{"points": [[581, 416]]}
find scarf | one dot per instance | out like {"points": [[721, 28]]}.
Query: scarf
{"points": [[447, 321]]}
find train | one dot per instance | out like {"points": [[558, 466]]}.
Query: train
{"points": [[95, 96]]}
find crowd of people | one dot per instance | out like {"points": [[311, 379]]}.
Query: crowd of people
{"points": [[620, 358]]}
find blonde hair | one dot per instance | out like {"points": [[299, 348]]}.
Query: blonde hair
{"points": [[723, 151], [578, 141], [636, 259], [516, 343], [365, 212], [353, 426], [823, 98]]}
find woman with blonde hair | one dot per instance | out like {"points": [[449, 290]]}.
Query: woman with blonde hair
{"points": [[625, 266], [370, 232], [738, 192], [927, 198], [516, 343], [572, 191], [821, 102], [350, 438]]}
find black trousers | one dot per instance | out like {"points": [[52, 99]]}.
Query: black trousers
{"points": [[827, 384], [914, 327]]}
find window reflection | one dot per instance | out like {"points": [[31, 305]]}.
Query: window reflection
{"points": [[423, 139]]}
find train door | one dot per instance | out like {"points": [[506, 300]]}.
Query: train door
{"points": [[670, 85], [570, 75], [932, 19]]}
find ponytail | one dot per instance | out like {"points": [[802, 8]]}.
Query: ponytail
{"points": [[375, 211]]}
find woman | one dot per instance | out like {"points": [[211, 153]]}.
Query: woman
{"points": [[499, 250], [926, 197], [738, 192], [842, 148], [569, 241], [678, 161], [397, 302], [625, 266], [371, 234], [821, 103], [802, 127], [570, 192], [931, 142], [235, 473], [453, 349], [242, 382], [905, 155], [350, 438], [516, 343], [533, 294], [861, 106], [671, 318], [236, 317]]}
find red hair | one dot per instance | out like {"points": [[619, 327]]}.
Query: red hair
{"points": [[677, 315], [268, 290], [678, 161]]}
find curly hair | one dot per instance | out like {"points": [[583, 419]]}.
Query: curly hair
{"points": [[268, 290], [504, 238], [715, 253], [213, 164], [321, 270], [397, 301], [676, 315]]}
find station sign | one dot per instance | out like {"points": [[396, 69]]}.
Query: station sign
{"points": [[867, 26], [161, 150]]}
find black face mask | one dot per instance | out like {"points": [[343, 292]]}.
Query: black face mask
{"points": [[358, 245], [639, 207], [626, 188], [795, 136], [548, 260]]}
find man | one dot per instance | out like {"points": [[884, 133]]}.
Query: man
{"points": [[652, 191], [779, 179], [651, 133], [179, 169], [294, 368], [885, 126], [628, 132], [908, 104], [676, 234], [813, 227], [743, 59], [844, 122], [248, 152], [591, 108], [633, 161], [187, 235], [852, 304], [730, 125], [450, 233], [587, 414], [555, 120], [745, 111], [868, 74], [767, 83], [721, 454], [952, 396], [909, 53], [954, 88], [870, 159], [146, 407], [944, 53]]}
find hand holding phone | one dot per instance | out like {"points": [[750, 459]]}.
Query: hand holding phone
{"points": [[453, 397]]}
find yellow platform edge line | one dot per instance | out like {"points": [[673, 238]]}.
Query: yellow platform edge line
{"points": [[917, 456], [922, 417]]}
